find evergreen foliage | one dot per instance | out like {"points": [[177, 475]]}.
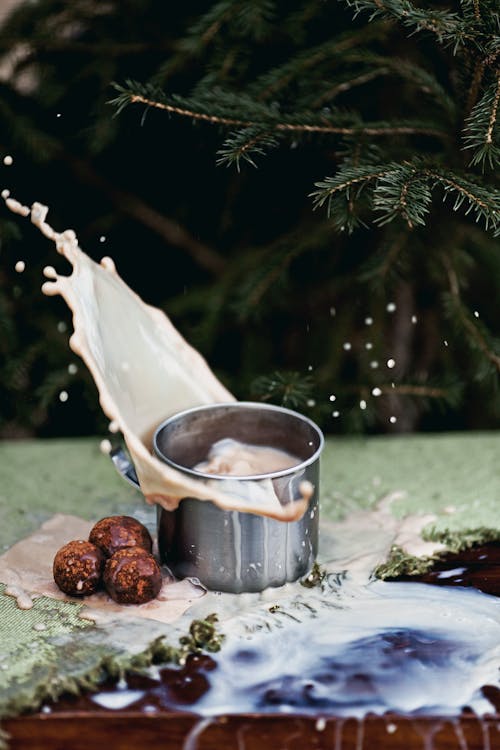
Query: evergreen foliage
{"points": [[357, 268]]}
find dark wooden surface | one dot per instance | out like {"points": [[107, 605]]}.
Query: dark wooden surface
{"points": [[131, 731], [78, 723]]}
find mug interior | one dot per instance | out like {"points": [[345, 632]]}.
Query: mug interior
{"points": [[185, 439]]}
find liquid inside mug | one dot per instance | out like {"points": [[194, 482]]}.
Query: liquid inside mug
{"points": [[234, 551]]}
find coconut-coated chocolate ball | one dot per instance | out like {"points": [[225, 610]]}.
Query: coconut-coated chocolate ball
{"points": [[132, 576], [116, 532], [78, 568]]}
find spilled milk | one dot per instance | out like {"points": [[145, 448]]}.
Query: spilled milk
{"points": [[144, 371], [346, 648]]}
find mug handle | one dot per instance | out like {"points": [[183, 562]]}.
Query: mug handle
{"points": [[125, 467]]}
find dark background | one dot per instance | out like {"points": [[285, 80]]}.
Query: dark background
{"points": [[102, 174]]}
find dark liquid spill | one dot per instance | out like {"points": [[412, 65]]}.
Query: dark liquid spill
{"points": [[478, 567]]}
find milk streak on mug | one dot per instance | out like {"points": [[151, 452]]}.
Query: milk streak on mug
{"points": [[229, 550]]}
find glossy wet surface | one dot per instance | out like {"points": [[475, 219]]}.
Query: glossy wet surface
{"points": [[383, 671]]}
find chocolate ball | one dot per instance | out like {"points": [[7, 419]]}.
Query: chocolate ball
{"points": [[116, 532], [78, 568], [132, 576]]}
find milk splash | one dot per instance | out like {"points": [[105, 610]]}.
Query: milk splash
{"points": [[144, 371]]}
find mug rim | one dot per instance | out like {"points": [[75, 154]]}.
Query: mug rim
{"points": [[236, 405]]}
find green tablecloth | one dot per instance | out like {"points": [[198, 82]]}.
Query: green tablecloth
{"points": [[39, 478]]}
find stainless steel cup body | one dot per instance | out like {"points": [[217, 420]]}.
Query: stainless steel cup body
{"points": [[229, 550]]}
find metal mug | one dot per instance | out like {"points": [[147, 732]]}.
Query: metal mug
{"points": [[234, 551]]}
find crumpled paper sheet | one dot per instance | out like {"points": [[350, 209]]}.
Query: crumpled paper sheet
{"points": [[27, 567]]}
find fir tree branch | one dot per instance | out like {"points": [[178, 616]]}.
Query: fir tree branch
{"points": [[472, 329], [403, 389], [170, 231], [406, 190], [244, 145], [482, 130], [494, 113], [289, 389], [338, 88], [484, 201], [378, 64], [272, 120], [278, 78], [475, 85], [446, 25]]}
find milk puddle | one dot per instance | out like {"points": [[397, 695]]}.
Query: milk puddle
{"points": [[404, 647]]}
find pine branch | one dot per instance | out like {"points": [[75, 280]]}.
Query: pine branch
{"points": [[245, 145], [482, 128], [449, 393], [476, 337], [376, 65], [289, 389], [229, 106], [448, 26], [484, 202], [278, 78], [264, 268], [405, 190], [248, 19]]}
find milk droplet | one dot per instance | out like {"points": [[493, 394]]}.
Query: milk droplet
{"points": [[8, 160], [46, 710], [445, 342], [376, 391], [393, 420], [62, 327], [414, 319], [333, 312], [346, 345], [309, 367], [333, 397], [362, 404], [374, 364], [391, 363], [391, 728], [20, 266], [102, 238], [311, 402], [105, 447], [390, 307], [320, 724], [368, 321], [368, 345], [63, 396], [58, 114], [476, 314], [72, 368], [335, 414], [5, 194], [49, 272]]}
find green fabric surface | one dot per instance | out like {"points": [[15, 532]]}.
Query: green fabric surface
{"points": [[49, 649], [455, 476], [39, 478], [30, 647]]}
